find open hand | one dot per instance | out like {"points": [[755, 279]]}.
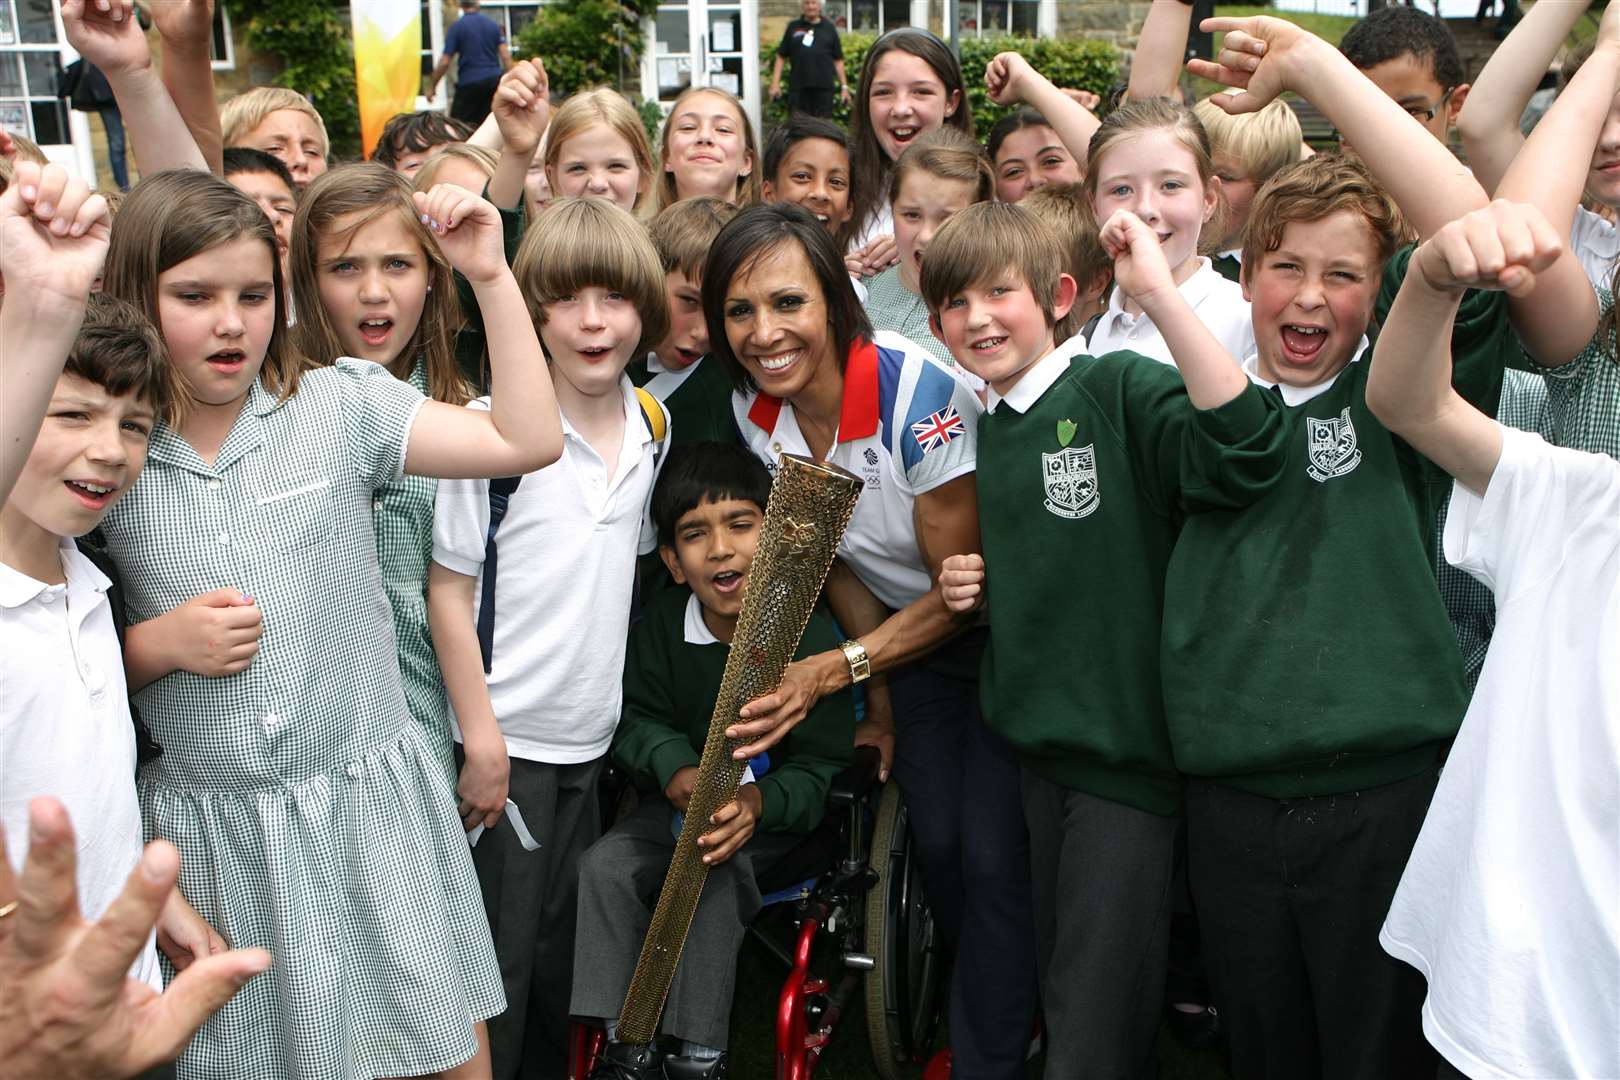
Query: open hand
{"points": [[1500, 246], [107, 34], [1140, 268], [1258, 54], [522, 106], [468, 230], [53, 234]]}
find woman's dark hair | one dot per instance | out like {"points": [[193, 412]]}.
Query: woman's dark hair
{"points": [[1017, 120], [869, 165], [756, 232], [696, 473]]}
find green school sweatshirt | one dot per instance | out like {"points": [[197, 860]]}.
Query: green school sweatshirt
{"points": [[669, 692], [1080, 500], [1306, 647], [699, 408]]}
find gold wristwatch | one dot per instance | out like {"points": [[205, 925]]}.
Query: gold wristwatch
{"points": [[860, 668]]}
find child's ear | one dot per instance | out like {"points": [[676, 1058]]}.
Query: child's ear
{"points": [[748, 157], [1095, 290], [1213, 197], [953, 104], [1454, 104], [671, 563], [1243, 281], [1064, 296], [767, 191], [938, 330]]}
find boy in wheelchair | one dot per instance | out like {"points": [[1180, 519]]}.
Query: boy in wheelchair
{"points": [[708, 506]]}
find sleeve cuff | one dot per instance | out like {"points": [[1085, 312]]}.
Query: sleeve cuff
{"points": [[458, 563], [670, 757]]}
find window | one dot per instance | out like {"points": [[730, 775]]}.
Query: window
{"points": [[513, 15], [30, 62], [868, 16], [223, 49], [988, 18]]}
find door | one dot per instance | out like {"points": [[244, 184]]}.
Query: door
{"points": [[703, 43]]}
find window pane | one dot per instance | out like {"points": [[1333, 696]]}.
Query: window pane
{"points": [[674, 33], [11, 84], [865, 16], [8, 28], [722, 34], [521, 17], [1026, 17], [221, 45], [50, 123], [896, 13], [14, 116], [38, 26], [427, 30], [41, 69]]}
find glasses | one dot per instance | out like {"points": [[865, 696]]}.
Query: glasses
{"points": [[1424, 113]]}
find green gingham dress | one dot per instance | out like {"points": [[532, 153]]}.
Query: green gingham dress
{"points": [[311, 817], [402, 518]]}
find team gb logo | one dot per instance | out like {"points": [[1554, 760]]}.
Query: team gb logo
{"points": [[1332, 450], [1070, 477]]}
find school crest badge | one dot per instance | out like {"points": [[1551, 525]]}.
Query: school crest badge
{"points": [[1332, 447], [1070, 478]]}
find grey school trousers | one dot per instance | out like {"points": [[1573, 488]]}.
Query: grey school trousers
{"points": [[619, 879], [1102, 875], [529, 897]]}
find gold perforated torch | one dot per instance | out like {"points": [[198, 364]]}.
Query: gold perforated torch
{"points": [[810, 505]]}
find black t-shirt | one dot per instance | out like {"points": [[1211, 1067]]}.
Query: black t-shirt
{"points": [[812, 48]]}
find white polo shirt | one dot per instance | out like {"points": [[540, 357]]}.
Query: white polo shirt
{"points": [[1596, 242], [1218, 302], [1510, 901], [907, 427], [566, 564], [65, 729]]}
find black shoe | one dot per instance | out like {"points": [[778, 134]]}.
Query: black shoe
{"points": [[681, 1067], [622, 1061], [1195, 1031]]}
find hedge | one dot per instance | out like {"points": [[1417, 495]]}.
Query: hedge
{"points": [[1078, 63]]}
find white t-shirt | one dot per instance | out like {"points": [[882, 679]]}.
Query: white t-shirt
{"points": [[65, 729], [1218, 302], [908, 426], [566, 564], [1510, 903], [1596, 242]]}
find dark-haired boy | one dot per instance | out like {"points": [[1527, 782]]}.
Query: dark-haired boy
{"points": [[807, 163], [708, 507], [697, 394], [266, 181], [1090, 466], [1412, 57], [65, 724], [409, 139]]}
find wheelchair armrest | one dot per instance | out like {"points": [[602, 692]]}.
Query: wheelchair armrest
{"points": [[856, 781]]}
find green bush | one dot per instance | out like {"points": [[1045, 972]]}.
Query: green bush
{"points": [[317, 55], [587, 43], [1075, 63]]}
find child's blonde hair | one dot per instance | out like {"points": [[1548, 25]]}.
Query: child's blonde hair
{"points": [[244, 112], [28, 149], [988, 239], [428, 174], [1066, 213], [174, 216], [947, 154], [367, 192], [1155, 114], [682, 234], [583, 242], [587, 109], [1261, 142], [747, 192], [1313, 189]]}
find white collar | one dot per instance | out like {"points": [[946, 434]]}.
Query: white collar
{"points": [[1036, 381], [694, 629], [1194, 290], [655, 365], [1298, 395], [1235, 254], [17, 588], [635, 432]]}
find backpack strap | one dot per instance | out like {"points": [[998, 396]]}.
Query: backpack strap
{"points": [[652, 414], [500, 493]]}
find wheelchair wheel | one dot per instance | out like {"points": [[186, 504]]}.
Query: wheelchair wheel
{"points": [[905, 988]]}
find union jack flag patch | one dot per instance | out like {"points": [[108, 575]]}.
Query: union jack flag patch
{"points": [[933, 432]]}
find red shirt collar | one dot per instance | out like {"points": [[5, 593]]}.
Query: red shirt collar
{"points": [[858, 418]]}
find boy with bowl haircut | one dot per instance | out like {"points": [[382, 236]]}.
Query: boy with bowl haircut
{"points": [[697, 394], [708, 506], [1095, 464]]}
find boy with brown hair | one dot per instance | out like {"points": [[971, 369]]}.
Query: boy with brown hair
{"points": [[1066, 211]]}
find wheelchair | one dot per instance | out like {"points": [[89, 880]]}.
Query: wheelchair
{"points": [[857, 923]]}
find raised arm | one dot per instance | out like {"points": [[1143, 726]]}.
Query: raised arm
{"points": [[187, 30], [1409, 387], [1212, 374], [53, 238], [1557, 318], [1489, 121], [1160, 51], [522, 432], [112, 40], [1010, 80], [522, 109], [1266, 56]]}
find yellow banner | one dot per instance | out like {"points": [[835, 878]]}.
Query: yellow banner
{"points": [[387, 62]]}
